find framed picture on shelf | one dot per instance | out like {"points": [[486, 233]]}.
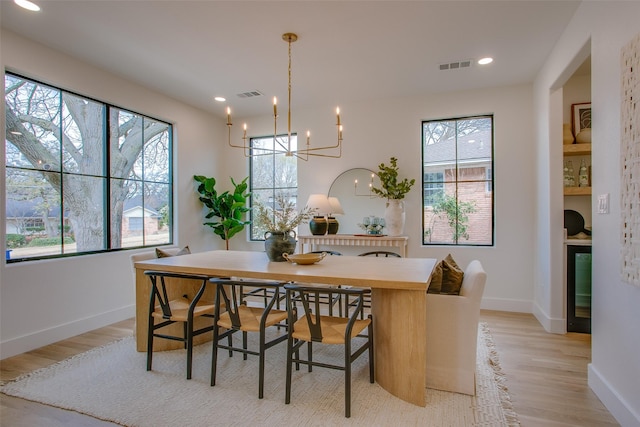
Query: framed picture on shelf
{"points": [[580, 117]]}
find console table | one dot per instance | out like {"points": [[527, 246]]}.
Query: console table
{"points": [[399, 242]]}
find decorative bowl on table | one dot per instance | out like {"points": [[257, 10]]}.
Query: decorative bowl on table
{"points": [[304, 259]]}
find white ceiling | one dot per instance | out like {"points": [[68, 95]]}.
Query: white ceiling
{"points": [[347, 51]]}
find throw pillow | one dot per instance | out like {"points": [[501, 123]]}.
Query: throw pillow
{"points": [[436, 280], [452, 276], [164, 254]]}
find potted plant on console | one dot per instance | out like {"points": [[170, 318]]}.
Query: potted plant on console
{"points": [[394, 191], [278, 223], [229, 207]]}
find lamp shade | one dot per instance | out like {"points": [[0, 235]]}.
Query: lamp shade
{"points": [[336, 208], [319, 203]]}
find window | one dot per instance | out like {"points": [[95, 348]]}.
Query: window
{"points": [[79, 172], [433, 187], [272, 174], [457, 177]]}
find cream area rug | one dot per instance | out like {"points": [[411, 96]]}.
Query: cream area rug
{"points": [[111, 383]]}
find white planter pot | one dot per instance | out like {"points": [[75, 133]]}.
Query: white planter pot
{"points": [[394, 217]]}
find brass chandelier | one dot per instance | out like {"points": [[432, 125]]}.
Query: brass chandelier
{"points": [[279, 144]]}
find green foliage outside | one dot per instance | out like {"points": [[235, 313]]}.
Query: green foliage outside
{"points": [[164, 216], [456, 213], [48, 241], [15, 241], [229, 207]]}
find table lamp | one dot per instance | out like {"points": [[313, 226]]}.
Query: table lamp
{"points": [[320, 204], [336, 209]]}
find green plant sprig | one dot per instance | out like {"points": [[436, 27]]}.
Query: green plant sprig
{"points": [[391, 187]]}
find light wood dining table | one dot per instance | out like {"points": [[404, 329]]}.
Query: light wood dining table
{"points": [[398, 303]]}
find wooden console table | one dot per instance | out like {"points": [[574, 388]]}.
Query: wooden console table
{"points": [[399, 242]]}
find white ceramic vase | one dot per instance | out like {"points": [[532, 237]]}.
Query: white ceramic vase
{"points": [[394, 217]]}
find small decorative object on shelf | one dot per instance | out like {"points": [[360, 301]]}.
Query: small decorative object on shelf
{"points": [[569, 176], [583, 175], [372, 225]]}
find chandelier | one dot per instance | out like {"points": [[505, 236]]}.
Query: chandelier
{"points": [[280, 145]]}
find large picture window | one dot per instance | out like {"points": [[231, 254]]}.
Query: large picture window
{"points": [[457, 181], [272, 175], [82, 176]]}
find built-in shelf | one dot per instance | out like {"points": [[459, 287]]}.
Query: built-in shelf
{"points": [[576, 149], [577, 191]]}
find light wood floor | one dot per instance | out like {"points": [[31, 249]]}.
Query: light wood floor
{"points": [[546, 375]]}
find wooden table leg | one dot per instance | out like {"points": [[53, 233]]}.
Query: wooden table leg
{"points": [[399, 325]]}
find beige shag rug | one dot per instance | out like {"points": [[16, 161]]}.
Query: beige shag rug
{"points": [[111, 383]]}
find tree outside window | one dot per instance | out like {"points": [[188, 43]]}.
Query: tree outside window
{"points": [[457, 181], [75, 167]]}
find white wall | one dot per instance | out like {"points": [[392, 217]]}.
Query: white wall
{"points": [[614, 373], [45, 301], [376, 130]]}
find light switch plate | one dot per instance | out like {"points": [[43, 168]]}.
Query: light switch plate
{"points": [[603, 203]]}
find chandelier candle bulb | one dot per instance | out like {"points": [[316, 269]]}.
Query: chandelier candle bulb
{"points": [[275, 107], [338, 115], [244, 136], [228, 116]]}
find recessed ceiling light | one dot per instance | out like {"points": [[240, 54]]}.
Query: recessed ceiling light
{"points": [[220, 98], [485, 61], [27, 5]]}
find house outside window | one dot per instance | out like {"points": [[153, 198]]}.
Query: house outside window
{"points": [[433, 187], [272, 175], [74, 166], [458, 205]]}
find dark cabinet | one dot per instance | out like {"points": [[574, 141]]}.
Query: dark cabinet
{"points": [[579, 288]]}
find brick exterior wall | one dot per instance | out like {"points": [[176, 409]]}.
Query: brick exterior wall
{"points": [[472, 189]]}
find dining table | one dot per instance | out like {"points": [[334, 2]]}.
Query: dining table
{"points": [[398, 302]]}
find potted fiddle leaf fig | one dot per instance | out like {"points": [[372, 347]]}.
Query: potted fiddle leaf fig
{"points": [[229, 207]]}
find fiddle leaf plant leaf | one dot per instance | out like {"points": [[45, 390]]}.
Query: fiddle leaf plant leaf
{"points": [[229, 207]]}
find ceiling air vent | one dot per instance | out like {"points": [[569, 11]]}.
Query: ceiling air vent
{"points": [[455, 65], [250, 94]]}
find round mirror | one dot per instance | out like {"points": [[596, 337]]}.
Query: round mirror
{"points": [[353, 190]]}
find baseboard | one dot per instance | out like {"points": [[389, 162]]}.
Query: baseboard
{"points": [[48, 336], [552, 325], [503, 304], [621, 410]]}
